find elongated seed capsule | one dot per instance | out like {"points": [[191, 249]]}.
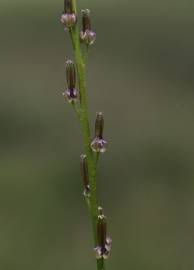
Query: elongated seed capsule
{"points": [[85, 175], [70, 74]]}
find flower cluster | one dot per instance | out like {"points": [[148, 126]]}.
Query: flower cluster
{"points": [[76, 97], [87, 36], [69, 19], [104, 242]]}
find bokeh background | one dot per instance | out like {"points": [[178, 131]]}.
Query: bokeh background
{"points": [[140, 74]]}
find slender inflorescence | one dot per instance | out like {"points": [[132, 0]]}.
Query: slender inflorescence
{"points": [[75, 94]]}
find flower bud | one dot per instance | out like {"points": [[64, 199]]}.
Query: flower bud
{"points": [[68, 18], [98, 144], [87, 36], [71, 93], [104, 242], [85, 175]]}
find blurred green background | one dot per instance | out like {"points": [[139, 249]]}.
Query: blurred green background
{"points": [[140, 74]]}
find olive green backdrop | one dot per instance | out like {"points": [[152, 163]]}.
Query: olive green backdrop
{"points": [[140, 74]]}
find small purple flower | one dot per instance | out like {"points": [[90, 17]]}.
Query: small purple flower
{"points": [[71, 95], [68, 18], [87, 35], [98, 144], [105, 252]]}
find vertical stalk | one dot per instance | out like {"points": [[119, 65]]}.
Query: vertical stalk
{"points": [[85, 127]]}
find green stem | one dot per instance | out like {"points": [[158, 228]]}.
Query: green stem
{"points": [[84, 122]]}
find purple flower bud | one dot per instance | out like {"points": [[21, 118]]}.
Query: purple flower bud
{"points": [[87, 35], [85, 175], [98, 144], [104, 243], [71, 93], [68, 18]]}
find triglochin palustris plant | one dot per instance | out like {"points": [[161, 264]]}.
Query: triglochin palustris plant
{"points": [[75, 94]]}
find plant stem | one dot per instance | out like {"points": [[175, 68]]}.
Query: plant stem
{"points": [[85, 127]]}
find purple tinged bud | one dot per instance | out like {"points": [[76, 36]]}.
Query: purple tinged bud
{"points": [[104, 242], [71, 93], [87, 35], [85, 175], [68, 18], [98, 144]]}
